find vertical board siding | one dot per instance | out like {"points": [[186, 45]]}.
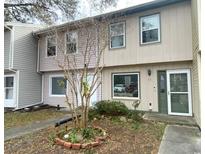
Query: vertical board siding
{"points": [[25, 61], [196, 63], [51, 63], [148, 84], [7, 39]]}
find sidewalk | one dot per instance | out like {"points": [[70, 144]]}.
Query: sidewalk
{"points": [[19, 131], [180, 140]]}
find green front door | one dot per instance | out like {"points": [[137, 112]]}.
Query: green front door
{"points": [[162, 92]]}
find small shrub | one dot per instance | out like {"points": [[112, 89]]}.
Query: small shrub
{"points": [[134, 115], [135, 125], [93, 114], [73, 137], [111, 108], [88, 133]]}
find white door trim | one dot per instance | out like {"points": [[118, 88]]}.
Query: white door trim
{"points": [[189, 91], [13, 104]]}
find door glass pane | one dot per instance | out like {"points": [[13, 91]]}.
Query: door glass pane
{"points": [[9, 93], [179, 103], [9, 82], [178, 82]]}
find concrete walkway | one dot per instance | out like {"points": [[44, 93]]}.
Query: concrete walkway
{"points": [[19, 131], [170, 119], [180, 140]]}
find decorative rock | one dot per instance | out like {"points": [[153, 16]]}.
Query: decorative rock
{"points": [[76, 146], [66, 136], [129, 120], [123, 119]]}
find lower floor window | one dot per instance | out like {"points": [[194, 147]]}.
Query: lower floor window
{"points": [[58, 85], [126, 85]]}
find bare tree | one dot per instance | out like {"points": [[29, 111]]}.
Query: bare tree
{"points": [[83, 70]]}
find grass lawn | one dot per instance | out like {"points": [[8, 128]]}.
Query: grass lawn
{"points": [[15, 119], [125, 138]]}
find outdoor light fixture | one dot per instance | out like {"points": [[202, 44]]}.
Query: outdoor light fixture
{"points": [[149, 72]]}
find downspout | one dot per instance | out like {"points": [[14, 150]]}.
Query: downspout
{"points": [[38, 68]]}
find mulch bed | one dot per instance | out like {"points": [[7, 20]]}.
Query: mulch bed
{"points": [[123, 139]]}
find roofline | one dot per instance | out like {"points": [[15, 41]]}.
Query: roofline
{"points": [[22, 24], [114, 14]]}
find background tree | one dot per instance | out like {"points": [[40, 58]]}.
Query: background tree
{"points": [[46, 11]]}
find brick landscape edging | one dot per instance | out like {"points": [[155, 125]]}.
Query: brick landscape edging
{"points": [[76, 146]]}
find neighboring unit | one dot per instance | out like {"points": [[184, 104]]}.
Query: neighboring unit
{"points": [[22, 84], [148, 57]]}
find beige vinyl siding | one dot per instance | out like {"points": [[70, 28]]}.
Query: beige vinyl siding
{"points": [[148, 84], [196, 63], [7, 39], [25, 61], [176, 38], [56, 100], [51, 63]]}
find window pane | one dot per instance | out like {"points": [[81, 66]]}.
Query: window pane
{"points": [[8, 81], [126, 85], [117, 41], [51, 46], [117, 29], [178, 82], [71, 48], [51, 51], [150, 22], [71, 37], [9, 93], [58, 86], [179, 103], [150, 36]]}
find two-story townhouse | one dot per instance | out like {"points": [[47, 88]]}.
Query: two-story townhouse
{"points": [[22, 84], [148, 57]]}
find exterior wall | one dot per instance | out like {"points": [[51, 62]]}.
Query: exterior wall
{"points": [[55, 100], [25, 61], [148, 84], [176, 38], [7, 39], [196, 61], [51, 63]]}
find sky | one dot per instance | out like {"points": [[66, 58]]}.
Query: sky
{"points": [[85, 9]]}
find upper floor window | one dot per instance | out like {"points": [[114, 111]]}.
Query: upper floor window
{"points": [[71, 42], [117, 35], [150, 29], [51, 46]]}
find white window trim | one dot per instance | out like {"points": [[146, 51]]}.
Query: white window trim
{"points": [[66, 43], [128, 98], [14, 87], [159, 29], [47, 37], [50, 85], [124, 28]]}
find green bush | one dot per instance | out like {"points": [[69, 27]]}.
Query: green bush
{"points": [[93, 114], [111, 108], [134, 115]]}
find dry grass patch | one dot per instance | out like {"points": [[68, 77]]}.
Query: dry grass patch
{"points": [[19, 118]]}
